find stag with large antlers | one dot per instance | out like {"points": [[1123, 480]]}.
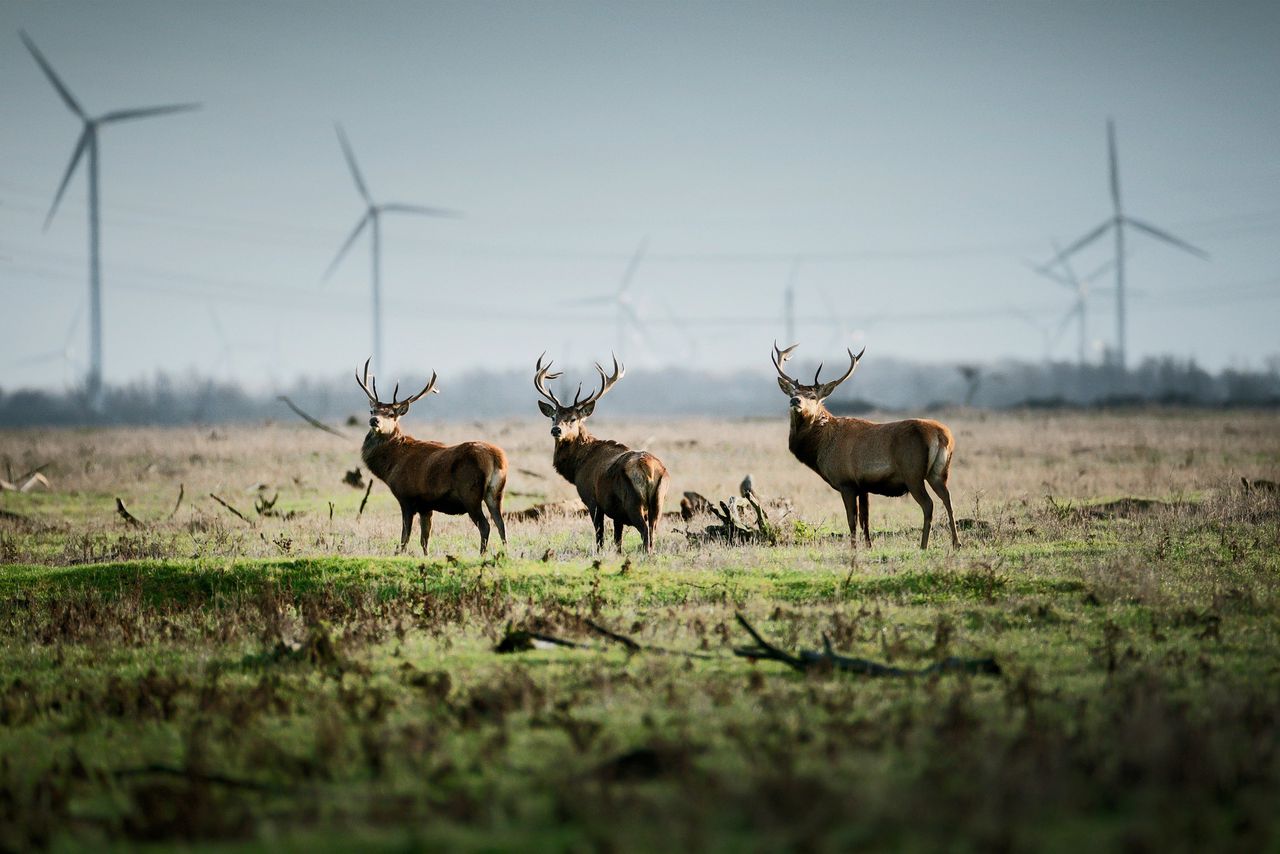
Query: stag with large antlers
{"points": [[858, 458], [429, 477], [612, 480]]}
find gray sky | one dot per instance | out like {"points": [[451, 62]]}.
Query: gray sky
{"points": [[913, 154]]}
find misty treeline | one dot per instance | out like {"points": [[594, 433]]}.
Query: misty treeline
{"points": [[886, 385]]}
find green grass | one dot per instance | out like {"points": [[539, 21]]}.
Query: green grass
{"points": [[207, 687]]}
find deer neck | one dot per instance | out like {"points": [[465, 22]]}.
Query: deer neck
{"points": [[379, 450], [571, 454], [808, 430]]}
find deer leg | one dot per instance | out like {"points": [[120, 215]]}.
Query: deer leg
{"points": [[406, 526], [864, 508], [477, 516], [851, 514], [617, 534], [926, 506], [494, 503], [424, 520], [940, 487], [597, 520]]}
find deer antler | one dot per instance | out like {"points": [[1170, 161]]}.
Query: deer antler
{"points": [[780, 357], [540, 381], [430, 388], [606, 382], [369, 385], [364, 383], [825, 389]]}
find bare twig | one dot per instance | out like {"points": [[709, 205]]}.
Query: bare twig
{"points": [[365, 500], [828, 658], [125, 514], [319, 425], [237, 513], [530, 473], [182, 490]]}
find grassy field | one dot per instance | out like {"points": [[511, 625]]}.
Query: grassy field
{"points": [[287, 680]]}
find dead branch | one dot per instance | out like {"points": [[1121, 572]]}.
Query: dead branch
{"points": [[364, 500], [520, 640], [319, 425], [237, 513], [37, 470], [531, 473], [829, 659], [182, 490], [126, 515]]}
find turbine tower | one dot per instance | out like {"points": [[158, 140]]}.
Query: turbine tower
{"points": [[87, 148], [371, 218], [1117, 223]]}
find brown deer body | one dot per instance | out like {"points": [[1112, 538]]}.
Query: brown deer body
{"points": [[859, 458], [431, 477], [612, 480]]}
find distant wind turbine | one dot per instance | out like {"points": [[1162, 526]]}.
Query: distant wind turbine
{"points": [[1066, 276], [371, 218], [66, 354], [87, 147], [1116, 223], [627, 318]]}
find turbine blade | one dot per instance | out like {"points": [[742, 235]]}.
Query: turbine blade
{"points": [[147, 112], [1102, 270], [1081, 243], [81, 145], [351, 161], [1166, 237], [1065, 322], [630, 272], [364, 220], [53, 77], [1072, 280], [1114, 164], [1047, 271], [397, 207]]}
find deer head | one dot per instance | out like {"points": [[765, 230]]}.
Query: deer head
{"points": [[384, 418], [567, 419], [807, 399]]}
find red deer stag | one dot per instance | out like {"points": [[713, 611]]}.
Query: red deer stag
{"points": [[857, 457], [612, 480], [429, 477]]}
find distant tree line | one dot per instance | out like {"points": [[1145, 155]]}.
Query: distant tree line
{"points": [[886, 385]]}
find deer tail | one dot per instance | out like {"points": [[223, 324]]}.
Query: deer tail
{"points": [[649, 479], [939, 456]]}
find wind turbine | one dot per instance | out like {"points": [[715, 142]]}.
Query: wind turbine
{"points": [[1079, 288], [627, 318], [87, 147], [66, 354], [371, 218], [1116, 223]]}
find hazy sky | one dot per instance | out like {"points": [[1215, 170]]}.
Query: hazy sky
{"points": [[914, 155]]}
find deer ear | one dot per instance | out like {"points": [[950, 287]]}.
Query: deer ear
{"points": [[547, 409], [586, 409], [787, 388]]}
